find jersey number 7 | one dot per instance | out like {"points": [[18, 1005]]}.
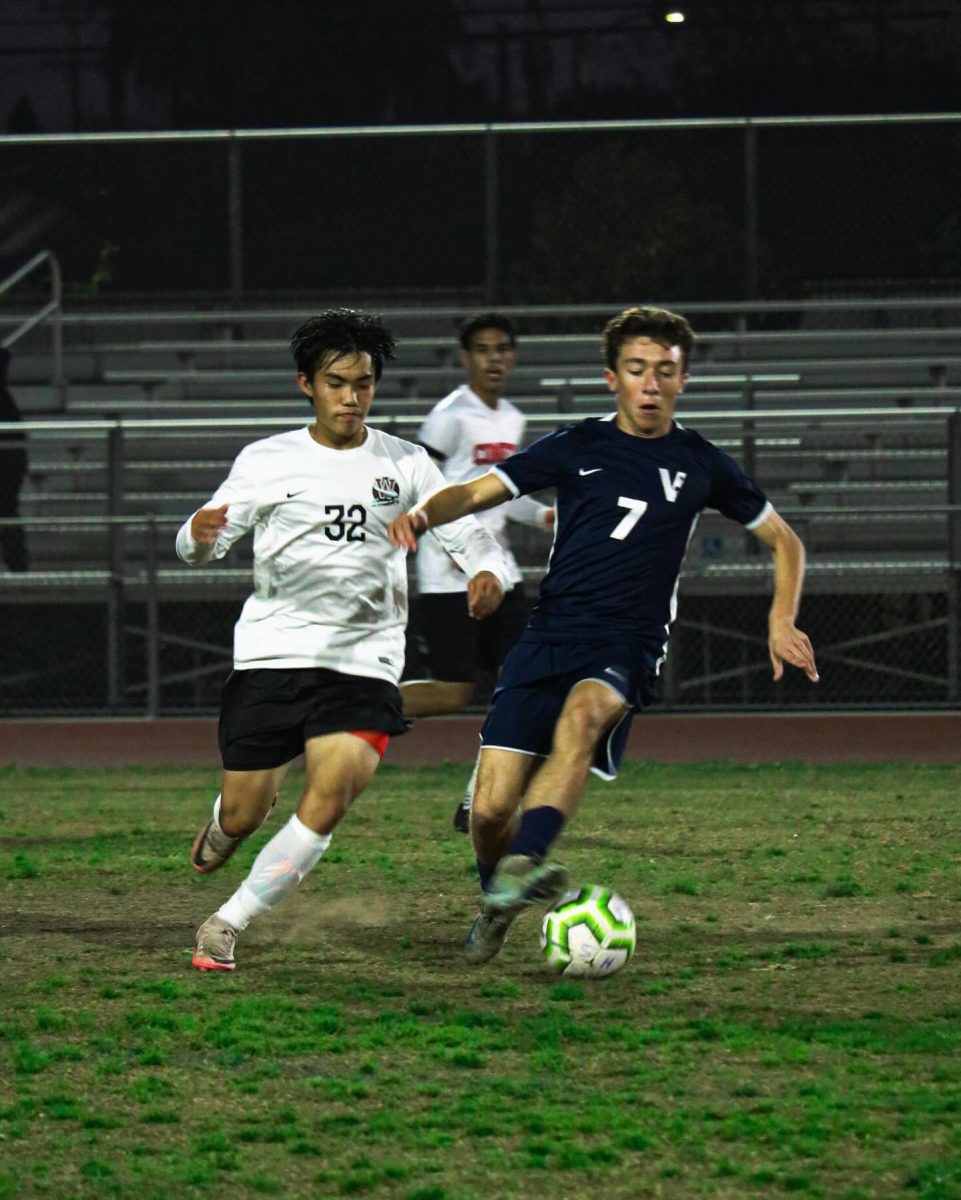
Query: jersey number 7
{"points": [[636, 510]]}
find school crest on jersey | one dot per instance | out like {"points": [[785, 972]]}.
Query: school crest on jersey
{"points": [[385, 491]]}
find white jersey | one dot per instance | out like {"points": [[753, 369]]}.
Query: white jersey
{"points": [[329, 588], [473, 437]]}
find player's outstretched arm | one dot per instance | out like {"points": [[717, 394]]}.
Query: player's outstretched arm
{"points": [[786, 643], [445, 505]]}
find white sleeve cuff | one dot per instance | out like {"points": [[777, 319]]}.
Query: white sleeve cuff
{"points": [[506, 481], [761, 517]]}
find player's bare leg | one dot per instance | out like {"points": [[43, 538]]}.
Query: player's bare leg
{"points": [[590, 710], [511, 882], [551, 793], [339, 767], [246, 797], [503, 776]]}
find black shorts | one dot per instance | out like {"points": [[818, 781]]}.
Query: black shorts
{"points": [[457, 645], [267, 715]]}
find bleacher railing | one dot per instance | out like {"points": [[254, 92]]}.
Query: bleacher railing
{"points": [[110, 621], [51, 311]]}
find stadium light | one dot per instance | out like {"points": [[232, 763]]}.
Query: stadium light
{"points": [[674, 18]]}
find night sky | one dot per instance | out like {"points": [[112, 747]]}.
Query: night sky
{"points": [[871, 203]]}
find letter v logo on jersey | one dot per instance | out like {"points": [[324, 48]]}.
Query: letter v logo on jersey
{"points": [[671, 486]]}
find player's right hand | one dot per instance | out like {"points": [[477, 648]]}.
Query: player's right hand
{"points": [[404, 530], [484, 594], [787, 644], [207, 524]]}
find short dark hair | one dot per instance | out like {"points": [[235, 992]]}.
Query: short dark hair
{"points": [[337, 332], [486, 320], [658, 324]]}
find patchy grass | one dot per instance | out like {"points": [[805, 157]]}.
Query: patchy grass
{"points": [[791, 1023]]}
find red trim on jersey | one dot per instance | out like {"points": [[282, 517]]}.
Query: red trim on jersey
{"points": [[373, 738], [486, 453]]}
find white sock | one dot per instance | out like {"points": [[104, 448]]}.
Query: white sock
{"points": [[277, 870], [216, 814], [468, 800]]}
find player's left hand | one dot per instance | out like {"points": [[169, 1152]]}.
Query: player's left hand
{"points": [[550, 518], [786, 643], [484, 594]]}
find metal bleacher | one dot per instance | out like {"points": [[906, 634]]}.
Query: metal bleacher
{"points": [[850, 418], [832, 420]]}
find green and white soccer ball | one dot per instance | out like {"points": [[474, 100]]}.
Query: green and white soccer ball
{"points": [[588, 933]]}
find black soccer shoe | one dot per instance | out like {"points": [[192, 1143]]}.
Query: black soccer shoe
{"points": [[461, 820]]}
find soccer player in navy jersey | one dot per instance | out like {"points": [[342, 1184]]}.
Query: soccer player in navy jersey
{"points": [[629, 490]]}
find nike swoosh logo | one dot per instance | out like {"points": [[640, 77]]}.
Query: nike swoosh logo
{"points": [[592, 471], [290, 495]]}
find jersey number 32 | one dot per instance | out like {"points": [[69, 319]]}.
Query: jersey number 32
{"points": [[345, 522]]}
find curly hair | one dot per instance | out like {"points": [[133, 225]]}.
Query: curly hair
{"points": [[338, 332], [658, 324]]}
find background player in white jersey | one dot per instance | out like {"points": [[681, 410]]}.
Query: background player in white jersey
{"points": [[319, 645], [629, 489], [466, 434]]}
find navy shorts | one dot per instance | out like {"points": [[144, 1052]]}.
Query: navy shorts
{"points": [[456, 644], [267, 715], [536, 680]]}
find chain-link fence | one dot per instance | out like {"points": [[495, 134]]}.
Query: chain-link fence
{"points": [[559, 213], [157, 641]]}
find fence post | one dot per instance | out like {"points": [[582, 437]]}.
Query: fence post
{"points": [[751, 270], [116, 665], [153, 619], [59, 379], [491, 249], [954, 556], [235, 220]]}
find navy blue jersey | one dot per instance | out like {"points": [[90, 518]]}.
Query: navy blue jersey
{"points": [[626, 508]]}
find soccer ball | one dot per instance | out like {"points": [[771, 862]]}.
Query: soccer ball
{"points": [[589, 933]]}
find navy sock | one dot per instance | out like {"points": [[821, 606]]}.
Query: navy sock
{"points": [[484, 873], [538, 829]]}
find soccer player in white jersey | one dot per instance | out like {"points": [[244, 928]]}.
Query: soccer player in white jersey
{"points": [[467, 433], [630, 488], [319, 645]]}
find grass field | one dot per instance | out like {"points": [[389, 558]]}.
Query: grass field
{"points": [[790, 1024]]}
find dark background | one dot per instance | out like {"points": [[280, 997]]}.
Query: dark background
{"points": [[113, 64], [866, 205]]}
